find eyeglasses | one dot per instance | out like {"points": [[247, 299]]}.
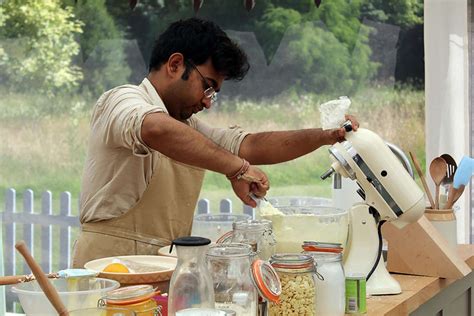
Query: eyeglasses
{"points": [[209, 91]]}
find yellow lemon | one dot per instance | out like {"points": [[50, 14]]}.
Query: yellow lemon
{"points": [[116, 268]]}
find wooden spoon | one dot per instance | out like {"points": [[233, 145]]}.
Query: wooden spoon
{"points": [[48, 289], [453, 195], [438, 168], [422, 178]]}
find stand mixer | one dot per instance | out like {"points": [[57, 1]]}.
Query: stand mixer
{"points": [[389, 194]]}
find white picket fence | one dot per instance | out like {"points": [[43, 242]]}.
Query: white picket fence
{"points": [[56, 230]]}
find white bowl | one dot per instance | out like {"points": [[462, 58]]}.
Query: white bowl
{"points": [[74, 293], [159, 277]]}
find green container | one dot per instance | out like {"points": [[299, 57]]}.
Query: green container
{"points": [[355, 294]]}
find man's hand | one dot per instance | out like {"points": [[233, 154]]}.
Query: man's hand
{"points": [[253, 181], [339, 134]]}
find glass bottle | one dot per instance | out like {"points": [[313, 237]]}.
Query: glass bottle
{"points": [[238, 279], [297, 276], [256, 233], [191, 283], [331, 290], [138, 298]]}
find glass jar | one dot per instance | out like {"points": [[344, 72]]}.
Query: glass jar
{"points": [[298, 289], [256, 233], [138, 298], [331, 290], [237, 278], [191, 282]]}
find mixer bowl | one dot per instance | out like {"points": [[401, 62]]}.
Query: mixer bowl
{"points": [[307, 219], [213, 226], [74, 293]]}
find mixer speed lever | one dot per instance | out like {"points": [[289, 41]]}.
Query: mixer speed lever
{"points": [[327, 174]]}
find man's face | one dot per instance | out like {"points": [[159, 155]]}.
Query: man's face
{"points": [[192, 95]]}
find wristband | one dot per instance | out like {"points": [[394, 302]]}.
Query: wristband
{"points": [[243, 169]]}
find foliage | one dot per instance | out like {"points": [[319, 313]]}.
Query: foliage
{"points": [[404, 13], [38, 43], [103, 50]]}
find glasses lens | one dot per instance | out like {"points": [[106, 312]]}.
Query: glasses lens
{"points": [[209, 92]]}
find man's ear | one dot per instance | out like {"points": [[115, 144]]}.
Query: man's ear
{"points": [[175, 65]]}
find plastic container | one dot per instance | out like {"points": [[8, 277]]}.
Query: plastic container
{"points": [[307, 218], [75, 294], [138, 298], [214, 226], [297, 274]]}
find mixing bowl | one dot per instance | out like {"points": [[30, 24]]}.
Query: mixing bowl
{"points": [[214, 226], [75, 294], [307, 219]]}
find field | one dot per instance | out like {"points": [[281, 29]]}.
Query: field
{"points": [[44, 141]]}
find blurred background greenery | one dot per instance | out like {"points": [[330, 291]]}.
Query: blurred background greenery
{"points": [[58, 56]]}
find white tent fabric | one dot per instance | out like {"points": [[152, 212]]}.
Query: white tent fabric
{"points": [[446, 90]]}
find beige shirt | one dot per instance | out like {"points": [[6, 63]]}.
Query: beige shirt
{"points": [[119, 164]]}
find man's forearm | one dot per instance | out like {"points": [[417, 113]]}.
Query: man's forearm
{"points": [[280, 146], [184, 144]]}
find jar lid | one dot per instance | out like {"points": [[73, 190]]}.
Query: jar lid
{"points": [[190, 241], [292, 261], [130, 294], [266, 280], [252, 224], [321, 257], [322, 246]]}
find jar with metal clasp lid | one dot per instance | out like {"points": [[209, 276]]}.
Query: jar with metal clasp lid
{"points": [[256, 233], [137, 298], [238, 278], [331, 291], [298, 275]]}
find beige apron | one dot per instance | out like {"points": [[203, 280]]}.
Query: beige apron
{"points": [[164, 212]]}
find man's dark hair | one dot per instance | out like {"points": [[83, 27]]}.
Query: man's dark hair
{"points": [[198, 40]]}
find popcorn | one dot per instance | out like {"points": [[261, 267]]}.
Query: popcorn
{"points": [[297, 296]]}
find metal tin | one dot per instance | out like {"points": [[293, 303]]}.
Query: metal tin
{"points": [[356, 294]]}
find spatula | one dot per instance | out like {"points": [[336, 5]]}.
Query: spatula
{"points": [[67, 273], [438, 169]]}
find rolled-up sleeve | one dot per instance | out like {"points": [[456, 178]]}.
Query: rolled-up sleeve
{"points": [[229, 138], [123, 117]]}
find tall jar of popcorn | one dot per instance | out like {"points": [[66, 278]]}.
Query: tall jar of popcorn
{"points": [[297, 274]]}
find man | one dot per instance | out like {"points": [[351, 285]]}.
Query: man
{"points": [[147, 152]]}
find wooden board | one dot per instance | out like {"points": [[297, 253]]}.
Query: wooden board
{"points": [[466, 252], [416, 290], [420, 249]]}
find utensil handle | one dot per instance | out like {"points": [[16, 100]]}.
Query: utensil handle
{"points": [[13, 279], [437, 197], [423, 180], [42, 279], [454, 195]]}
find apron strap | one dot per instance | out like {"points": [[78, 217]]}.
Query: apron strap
{"points": [[100, 228]]}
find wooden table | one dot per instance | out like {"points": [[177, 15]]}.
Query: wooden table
{"points": [[426, 296]]}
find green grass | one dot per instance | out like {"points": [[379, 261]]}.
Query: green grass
{"points": [[43, 145]]}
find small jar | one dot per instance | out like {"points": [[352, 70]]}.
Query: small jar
{"points": [[138, 298], [298, 289], [256, 233]]}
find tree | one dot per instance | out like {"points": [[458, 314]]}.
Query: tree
{"points": [[38, 46], [102, 46]]}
